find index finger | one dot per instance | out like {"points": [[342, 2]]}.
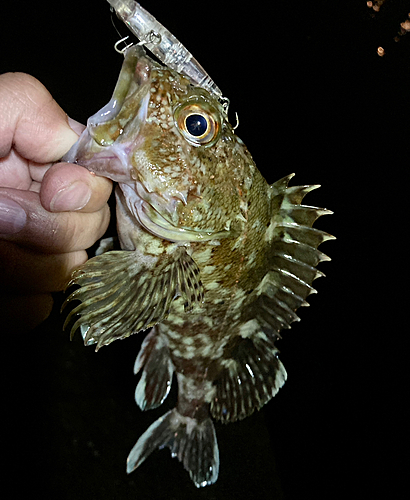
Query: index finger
{"points": [[32, 122]]}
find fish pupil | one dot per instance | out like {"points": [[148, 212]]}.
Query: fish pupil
{"points": [[196, 125]]}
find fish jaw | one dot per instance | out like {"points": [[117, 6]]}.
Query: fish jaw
{"points": [[159, 216], [113, 134]]}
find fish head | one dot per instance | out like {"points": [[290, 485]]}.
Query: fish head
{"points": [[169, 145]]}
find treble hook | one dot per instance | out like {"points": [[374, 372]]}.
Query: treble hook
{"points": [[125, 48], [225, 104], [237, 121]]}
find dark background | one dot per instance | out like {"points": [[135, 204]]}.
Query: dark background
{"points": [[314, 98]]}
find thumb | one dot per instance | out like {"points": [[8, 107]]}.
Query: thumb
{"points": [[25, 222]]}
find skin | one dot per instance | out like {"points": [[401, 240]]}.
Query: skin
{"points": [[58, 209]]}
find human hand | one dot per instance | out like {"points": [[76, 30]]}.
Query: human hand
{"points": [[49, 212]]}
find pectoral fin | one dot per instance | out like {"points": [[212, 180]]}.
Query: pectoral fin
{"points": [[121, 295]]}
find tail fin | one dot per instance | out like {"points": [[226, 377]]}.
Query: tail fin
{"points": [[192, 442]]}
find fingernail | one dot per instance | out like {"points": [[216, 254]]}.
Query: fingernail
{"points": [[76, 126], [12, 216], [73, 197]]}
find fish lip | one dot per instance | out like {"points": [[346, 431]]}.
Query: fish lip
{"points": [[77, 154], [156, 224]]}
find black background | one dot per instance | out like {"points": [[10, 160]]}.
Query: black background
{"points": [[314, 98]]}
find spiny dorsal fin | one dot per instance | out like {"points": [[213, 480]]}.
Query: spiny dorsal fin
{"points": [[292, 257]]}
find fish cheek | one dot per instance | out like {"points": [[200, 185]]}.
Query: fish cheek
{"points": [[165, 164]]}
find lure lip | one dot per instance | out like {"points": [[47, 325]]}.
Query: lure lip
{"points": [[123, 8]]}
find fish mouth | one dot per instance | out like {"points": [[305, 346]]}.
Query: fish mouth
{"points": [[132, 80], [156, 224], [159, 216], [113, 132]]}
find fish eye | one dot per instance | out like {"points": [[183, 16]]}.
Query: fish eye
{"points": [[197, 125]]}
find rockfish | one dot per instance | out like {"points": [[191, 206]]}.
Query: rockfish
{"points": [[213, 258]]}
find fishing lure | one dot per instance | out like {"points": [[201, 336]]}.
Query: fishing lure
{"points": [[163, 44]]}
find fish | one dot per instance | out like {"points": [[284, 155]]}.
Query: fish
{"points": [[213, 261]]}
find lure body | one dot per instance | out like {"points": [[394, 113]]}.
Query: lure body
{"points": [[163, 44]]}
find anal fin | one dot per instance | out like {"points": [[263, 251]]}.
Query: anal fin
{"points": [[156, 378]]}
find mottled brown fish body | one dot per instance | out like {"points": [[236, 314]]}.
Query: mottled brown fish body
{"points": [[213, 258]]}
